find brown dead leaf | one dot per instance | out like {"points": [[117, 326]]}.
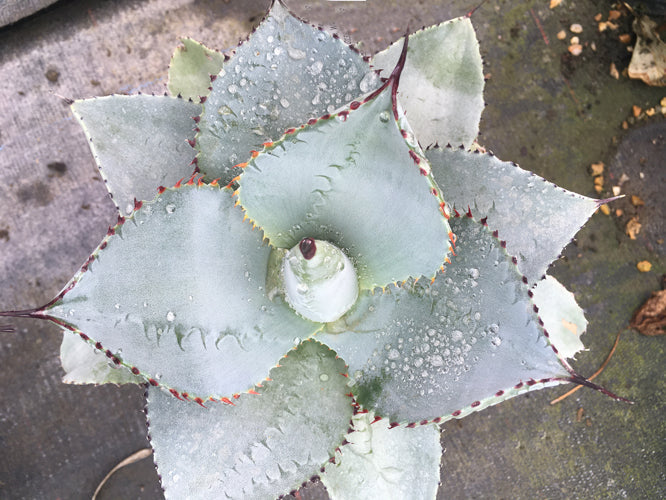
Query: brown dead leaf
{"points": [[579, 414], [604, 209], [636, 110], [637, 201], [633, 227], [614, 14], [599, 180], [598, 17], [614, 72], [555, 3], [625, 38], [650, 318]]}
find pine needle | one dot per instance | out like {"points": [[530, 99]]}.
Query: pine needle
{"points": [[134, 457], [593, 376]]}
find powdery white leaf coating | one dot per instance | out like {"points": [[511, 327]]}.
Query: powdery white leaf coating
{"points": [[563, 318], [83, 364], [264, 445]]}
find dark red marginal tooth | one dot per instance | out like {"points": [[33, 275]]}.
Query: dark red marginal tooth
{"points": [[456, 413], [499, 393], [213, 78], [344, 442], [354, 105], [84, 336], [495, 233], [179, 183], [98, 346], [404, 133], [190, 181], [554, 349], [153, 382], [196, 119], [200, 182], [530, 294], [199, 401], [524, 277], [535, 308], [161, 189], [290, 131], [137, 204], [393, 424], [411, 425], [115, 360], [103, 245], [343, 115], [202, 99], [135, 370], [457, 214], [376, 419], [108, 353], [503, 244], [469, 213], [185, 395], [514, 260], [312, 121], [518, 385], [437, 420], [327, 116], [433, 191], [414, 157], [475, 404], [531, 382], [111, 231]]}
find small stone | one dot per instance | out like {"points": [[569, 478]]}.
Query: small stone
{"points": [[576, 50], [574, 40], [636, 110], [644, 266], [614, 72], [598, 17], [561, 35], [650, 112], [598, 189], [616, 190], [555, 3], [599, 180], [576, 28], [619, 212]]}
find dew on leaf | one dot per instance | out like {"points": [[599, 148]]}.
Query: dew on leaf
{"points": [[384, 116], [323, 377], [296, 54], [284, 102], [170, 208], [393, 354], [170, 316]]}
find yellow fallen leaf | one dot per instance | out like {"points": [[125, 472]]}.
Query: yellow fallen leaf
{"points": [[644, 266], [636, 110], [625, 38], [614, 14], [561, 35], [599, 180], [650, 112], [633, 227], [555, 3], [637, 201], [597, 168], [604, 209]]}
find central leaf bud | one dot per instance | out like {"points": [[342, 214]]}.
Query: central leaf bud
{"points": [[319, 280]]}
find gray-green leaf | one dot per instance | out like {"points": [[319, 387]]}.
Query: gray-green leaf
{"points": [[83, 364], [382, 462], [535, 217], [563, 318], [265, 445], [441, 87], [430, 351], [351, 180], [139, 142], [191, 67], [285, 74], [178, 293]]}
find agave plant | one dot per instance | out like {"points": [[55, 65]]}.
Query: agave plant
{"points": [[317, 283]]}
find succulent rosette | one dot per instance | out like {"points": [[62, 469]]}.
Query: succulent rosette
{"points": [[311, 291]]}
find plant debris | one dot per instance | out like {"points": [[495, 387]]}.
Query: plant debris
{"points": [[644, 266], [650, 318], [633, 227]]}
